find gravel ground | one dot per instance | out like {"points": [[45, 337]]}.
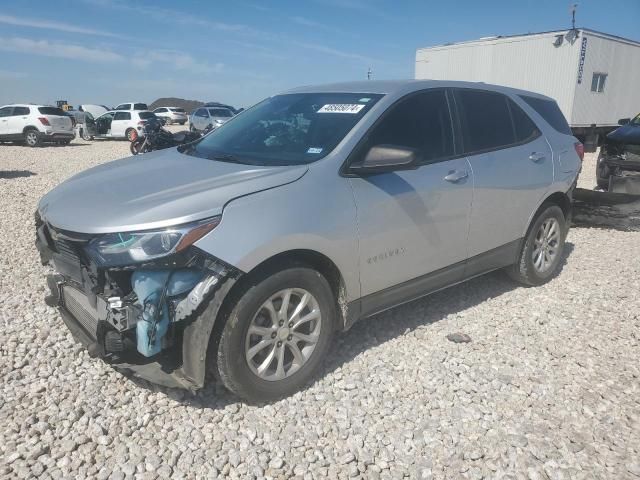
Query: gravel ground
{"points": [[549, 386]]}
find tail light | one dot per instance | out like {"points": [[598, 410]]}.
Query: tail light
{"points": [[44, 121], [579, 149], [141, 122]]}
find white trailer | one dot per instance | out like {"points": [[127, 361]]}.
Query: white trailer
{"points": [[594, 77]]}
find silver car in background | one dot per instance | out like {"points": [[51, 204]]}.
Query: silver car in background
{"points": [[244, 252], [172, 115], [204, 118]]}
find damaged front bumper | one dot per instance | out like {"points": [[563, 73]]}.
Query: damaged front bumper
{"points": [[151, 320]]}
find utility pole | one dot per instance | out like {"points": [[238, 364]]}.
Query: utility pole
{"points": [[369, 73]]}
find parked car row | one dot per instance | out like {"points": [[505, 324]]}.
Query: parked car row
{"points": [[38, 124]]}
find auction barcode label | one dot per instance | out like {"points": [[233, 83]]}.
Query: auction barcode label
{"points": [[341, 108]]}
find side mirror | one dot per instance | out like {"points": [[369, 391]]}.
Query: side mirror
{"points": [[387, 158], [624, 121]]}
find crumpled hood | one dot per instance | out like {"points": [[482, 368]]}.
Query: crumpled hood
{"points": [[627, 134], [155, 190]]}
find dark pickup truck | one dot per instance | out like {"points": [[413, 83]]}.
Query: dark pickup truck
{"points": [[618, 167]]}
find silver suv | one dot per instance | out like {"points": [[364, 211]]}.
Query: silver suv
{"points": [[244, 252]]}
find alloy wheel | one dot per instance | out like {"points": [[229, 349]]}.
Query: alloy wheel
{"points": [[283, 334], [32, 138], [545, 246]]}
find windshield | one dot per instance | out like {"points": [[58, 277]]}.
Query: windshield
{"points": [[179, 110], [636, 121], [286, 129], [220, 112]]}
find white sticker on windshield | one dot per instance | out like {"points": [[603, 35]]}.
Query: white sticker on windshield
{"points": [[341, 108], [314, 150]]}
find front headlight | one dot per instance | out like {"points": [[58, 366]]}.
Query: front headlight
{"points": [[219, 122], [119, 249]]}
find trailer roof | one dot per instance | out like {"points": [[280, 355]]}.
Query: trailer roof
{"points": [[531, 34]]}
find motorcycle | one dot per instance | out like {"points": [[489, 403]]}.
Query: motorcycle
{"points": [[157, 138]]}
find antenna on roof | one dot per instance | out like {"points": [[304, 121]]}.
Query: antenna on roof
{"points": [[573, 9], [369, 73]]}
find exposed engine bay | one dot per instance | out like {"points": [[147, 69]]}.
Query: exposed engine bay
{"points": [[139, 315]]}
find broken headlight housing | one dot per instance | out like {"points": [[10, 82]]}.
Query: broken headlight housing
{"points": [[119, 249]]}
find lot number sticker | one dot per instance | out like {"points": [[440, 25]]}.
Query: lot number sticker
{"points": [[352, 108]]}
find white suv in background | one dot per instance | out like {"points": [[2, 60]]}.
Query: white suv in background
{"points": [[35, 124], [209, 117], [172, 115], [132, 106]]}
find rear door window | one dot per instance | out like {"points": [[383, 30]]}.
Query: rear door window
{"points": [[178, 110], [123, 106], [421, 121], [140, 106], [220, 112], [122, 116], [160, 110], [51, 111], [549, 110], [525, 129], [19, 111], [486, 120]]}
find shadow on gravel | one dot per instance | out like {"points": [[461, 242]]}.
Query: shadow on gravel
{"points": [[385, 326], [368, 333], [11, 174], [617, 211]]}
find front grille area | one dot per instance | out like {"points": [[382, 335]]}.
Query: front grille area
{"points": [[78, 305]]}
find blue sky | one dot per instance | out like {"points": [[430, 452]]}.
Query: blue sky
{"points": [[109, 51]]}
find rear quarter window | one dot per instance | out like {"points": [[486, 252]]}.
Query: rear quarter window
{"points": [[549, 110], [51, 111], [525, 128]]}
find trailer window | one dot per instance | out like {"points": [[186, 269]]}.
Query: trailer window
{"points": [[597, 82], [549, 110]]}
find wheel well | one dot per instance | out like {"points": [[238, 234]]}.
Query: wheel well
{"points": [[29, 128], [309, 258], [562, 200]]}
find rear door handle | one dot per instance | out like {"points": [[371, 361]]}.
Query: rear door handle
{"points": [[456, 175], [537, 157]]}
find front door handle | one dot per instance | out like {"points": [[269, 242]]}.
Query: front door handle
{"points": [[536, 157], [456, 175]]}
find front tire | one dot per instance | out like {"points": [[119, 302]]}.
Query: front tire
{"points": [[32, 138], [136, 146], [277, 335], [541, 253], [131, 134]]}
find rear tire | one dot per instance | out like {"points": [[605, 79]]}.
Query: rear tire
{"points": [[541, 252], [32, 138], [603, 172], [182, 123], [291, 361]]}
